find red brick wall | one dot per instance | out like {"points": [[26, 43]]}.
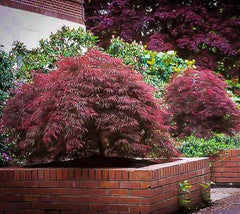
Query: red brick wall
{"points": [[226, 168], [148, 189], [71, 10]]}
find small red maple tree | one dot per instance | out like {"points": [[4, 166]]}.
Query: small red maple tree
{"points": [[200, 104], [90, 104]]}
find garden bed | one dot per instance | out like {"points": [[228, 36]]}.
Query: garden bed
{"points": [[225, 169], [101, 162], [146, 189]]}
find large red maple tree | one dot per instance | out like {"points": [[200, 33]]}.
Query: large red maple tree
{"points": [[93, 104]]}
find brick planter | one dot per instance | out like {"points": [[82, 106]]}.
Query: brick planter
{"points": [[151, 189], [225, 170]]}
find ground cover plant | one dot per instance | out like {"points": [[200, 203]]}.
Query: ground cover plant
{"points": [[200, 147], [200, 105], [90, 104]]}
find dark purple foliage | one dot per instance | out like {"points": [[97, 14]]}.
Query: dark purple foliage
{"points": [[207, 31]]}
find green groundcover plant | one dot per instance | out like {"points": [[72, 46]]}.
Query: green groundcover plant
{"points": [[201, 147]]}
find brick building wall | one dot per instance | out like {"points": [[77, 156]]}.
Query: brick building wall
{"points": [[28, 21], [71, 10]]}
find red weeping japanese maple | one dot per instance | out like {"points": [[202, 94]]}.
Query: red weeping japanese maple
{"points": [[93, 104], [200, 104]]}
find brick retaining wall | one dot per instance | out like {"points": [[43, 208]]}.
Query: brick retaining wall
{"points": [[226, 168], [151, 189]]}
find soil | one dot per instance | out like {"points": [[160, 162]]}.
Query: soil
{"points": [[229, 205], [100, 162]]}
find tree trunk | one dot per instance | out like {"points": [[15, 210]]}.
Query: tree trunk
{"points": [[100, 146]]}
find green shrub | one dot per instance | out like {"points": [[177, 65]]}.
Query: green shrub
{"points": [[234, 90], [199, 147], [185, 197], [9, 153], [156, 67], [64, 43], [6, 76], [16, 66]]}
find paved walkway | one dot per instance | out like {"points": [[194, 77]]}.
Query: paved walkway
{"points": [[230, 210], [220, 193], [225, 201]]}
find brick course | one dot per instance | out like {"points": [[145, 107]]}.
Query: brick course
{"points": [[226, 168], [71, 10], [151, 189]]}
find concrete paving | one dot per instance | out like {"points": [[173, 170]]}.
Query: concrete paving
{"points": [[220, 193], [225, 201], [231, 210]]}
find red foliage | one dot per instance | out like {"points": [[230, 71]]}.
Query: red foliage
{"points": [[200, 104], [90, 104]]}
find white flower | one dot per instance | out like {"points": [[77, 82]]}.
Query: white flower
{"points": [[170, 52], [160, 54], [84, 50], [15, 66]]}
